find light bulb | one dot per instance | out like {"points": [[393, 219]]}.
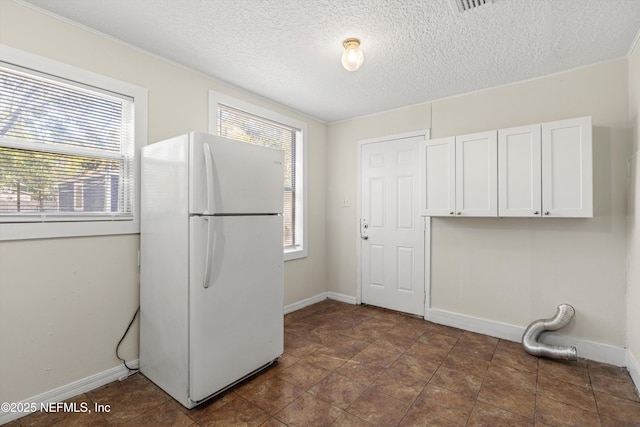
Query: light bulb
{"points": [[352, 56]]}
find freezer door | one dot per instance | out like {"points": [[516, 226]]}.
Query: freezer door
{"points": [[234, 177], [236, 314]]}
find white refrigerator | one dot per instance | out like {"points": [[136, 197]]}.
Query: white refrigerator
{"points": [[211, 263]]}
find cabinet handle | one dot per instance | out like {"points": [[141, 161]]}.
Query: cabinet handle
{"points": [[451, 213], [546, 213], [459, 213], [536, 213]]}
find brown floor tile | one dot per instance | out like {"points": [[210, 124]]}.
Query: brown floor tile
{"points": [[513, 399], [515, 359], [298, 327], [623, 388], [512, 377], [326, 358], [272, 422], [480, 350], [554, 413], [396, 343], [299, 346], [396, 384], [457, 381], [415, 367], [485, 414], [236, 412], [403, 329], [369, 330], [427, 351], [347, 347], [574, 372], [362, 373], [338, 390], [571, 394], [169, 415], [619, 409], [376, 355], [303, 374], [308, 410], [445, 404], [468, 364], [347, 365], [348, 420], [129, 398], [378, 409], [417, 417], [271, 395], [434, 339]]}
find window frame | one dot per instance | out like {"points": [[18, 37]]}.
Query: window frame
{"points": [[299, 250], [81, 226]]}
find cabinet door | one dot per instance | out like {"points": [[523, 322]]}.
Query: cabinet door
{"points": [[567, 187], [477, 174], [437, 158], [519, 169]]}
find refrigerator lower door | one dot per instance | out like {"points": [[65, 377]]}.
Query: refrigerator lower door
{"points": [[235, 314]]}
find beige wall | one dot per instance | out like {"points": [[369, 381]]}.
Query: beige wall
{"points": [[64, 303], [511, 270], [633, 256]]}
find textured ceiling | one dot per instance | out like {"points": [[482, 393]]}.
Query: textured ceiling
{"points": [[415, 51]]}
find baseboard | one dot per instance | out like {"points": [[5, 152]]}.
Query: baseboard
{"points": [[70, 390], [305, 302], [634, 370], [341, 297], [598, 352]]}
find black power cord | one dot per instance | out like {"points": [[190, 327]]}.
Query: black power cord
{"points": [[124, 362]]}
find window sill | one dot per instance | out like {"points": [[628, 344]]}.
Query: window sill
{"points": [[51, 230], [294, 253]]}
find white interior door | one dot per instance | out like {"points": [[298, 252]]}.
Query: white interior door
{"points": [[392, 230]]}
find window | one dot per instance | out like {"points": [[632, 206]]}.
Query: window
{"points": [[241, 121], [68, 141]]}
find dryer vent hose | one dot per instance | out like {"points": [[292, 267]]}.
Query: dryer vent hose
{"points": [[563, 316]]}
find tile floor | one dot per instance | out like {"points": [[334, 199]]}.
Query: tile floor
{"points": [[348, 365]]}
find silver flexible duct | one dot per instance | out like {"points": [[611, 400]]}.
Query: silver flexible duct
{"points": [[563, 316]]}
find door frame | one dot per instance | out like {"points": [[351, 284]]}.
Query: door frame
{"points": [[425, 133]]}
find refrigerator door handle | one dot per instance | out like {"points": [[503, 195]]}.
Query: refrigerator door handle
{"points": [[209, 254], [208, 164]]}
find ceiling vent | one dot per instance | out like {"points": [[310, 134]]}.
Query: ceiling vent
{"points": [[460, 6]]}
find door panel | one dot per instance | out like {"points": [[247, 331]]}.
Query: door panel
{"points": [[519, 171], [392, 255], [477, 174], [438, 157], [567, 181]]}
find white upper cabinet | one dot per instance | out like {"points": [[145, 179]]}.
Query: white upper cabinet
{"points": [[437, 169], [519, 171], [459, 176], [567, 168], [543, 170], [477, 174]]}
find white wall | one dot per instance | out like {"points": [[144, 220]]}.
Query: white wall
{"points": [[633, 256], [511, 271], [64, 303]]}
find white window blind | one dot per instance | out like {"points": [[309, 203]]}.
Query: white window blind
{"points": [[66, 150], [242, 126]]}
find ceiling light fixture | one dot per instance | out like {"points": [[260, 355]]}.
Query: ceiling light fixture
{"points": [[352, 56]]}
